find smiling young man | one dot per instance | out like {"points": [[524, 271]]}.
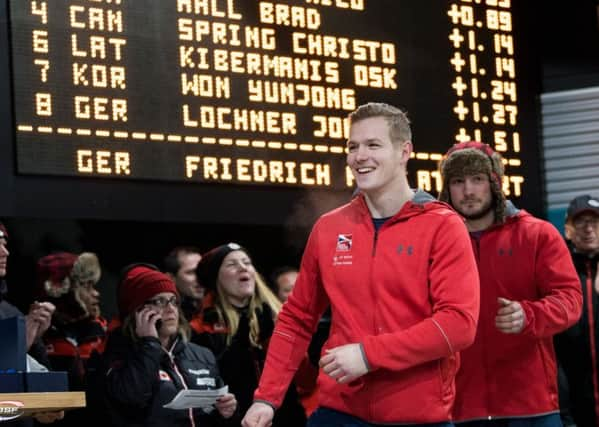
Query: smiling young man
{"points": [[578, 348], [528, 292], [398, 271]]}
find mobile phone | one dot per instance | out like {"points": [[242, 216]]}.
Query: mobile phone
{"points": [[158, 325]]}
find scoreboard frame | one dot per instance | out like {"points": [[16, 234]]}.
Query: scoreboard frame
{"points": [[49, 195]]}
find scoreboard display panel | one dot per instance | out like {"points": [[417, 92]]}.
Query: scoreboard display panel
{"points": [[224, 93]]}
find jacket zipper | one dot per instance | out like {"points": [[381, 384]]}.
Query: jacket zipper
{"points": [[477, 250], [174, 365], [374, 243], [376, 237]]}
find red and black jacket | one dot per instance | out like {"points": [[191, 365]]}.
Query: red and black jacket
{"points": [[70, 346], [578, 347]]}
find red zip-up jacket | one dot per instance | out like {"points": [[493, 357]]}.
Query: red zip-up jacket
{"points": [[514, 375], [408, 293]]}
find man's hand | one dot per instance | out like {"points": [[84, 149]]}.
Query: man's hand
{"points": [[259, 415], [48, 417], [226, 405], [344, 363], [510, 318], [38, 320]]}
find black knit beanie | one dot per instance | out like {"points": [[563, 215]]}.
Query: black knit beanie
{"points": [[209, 265]]}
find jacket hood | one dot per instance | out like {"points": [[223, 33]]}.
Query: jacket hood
{"points": [[512, 214], [511, 210], [421, 202]]}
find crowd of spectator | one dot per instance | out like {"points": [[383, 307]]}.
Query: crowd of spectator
{"points": [[405, 310]]}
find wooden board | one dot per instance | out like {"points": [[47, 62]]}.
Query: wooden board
{"points": [[41, 402]]}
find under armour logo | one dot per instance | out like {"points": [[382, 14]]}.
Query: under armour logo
{"points": [[503, 252], [409, 249]]}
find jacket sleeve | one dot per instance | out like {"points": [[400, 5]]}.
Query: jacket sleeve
{"points": [[293, 331], [560, 302], [133, 373], [454, 295]]}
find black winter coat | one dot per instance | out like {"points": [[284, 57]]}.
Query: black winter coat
{"points": [[142, 377], [577, 348], [241, 363]]}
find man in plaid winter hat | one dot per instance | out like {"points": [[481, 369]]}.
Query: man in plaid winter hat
{"points": [[528, 292]]}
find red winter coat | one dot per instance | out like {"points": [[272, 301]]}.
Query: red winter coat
{"points": [[514, 375], [408, 293]]}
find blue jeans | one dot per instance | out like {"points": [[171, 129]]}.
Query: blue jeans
{"points": [[324, 417], [551, 420]]}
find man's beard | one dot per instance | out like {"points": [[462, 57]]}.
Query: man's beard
{"points": [[485, 209]]}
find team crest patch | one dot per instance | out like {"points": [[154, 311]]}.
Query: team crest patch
{"points": [[344, 242], [163, 376]]}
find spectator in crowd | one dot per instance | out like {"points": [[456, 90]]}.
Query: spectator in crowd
{"points": [[529, 292], [397, 269], [37, 321], [283, 280], [78, 329], [578, 347], [180, 264], [69, 282], [240, 324], [150, 359]]}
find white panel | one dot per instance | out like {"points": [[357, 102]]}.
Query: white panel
{"points": [[570, 128]]}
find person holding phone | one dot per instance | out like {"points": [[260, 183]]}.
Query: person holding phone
{"points": [[150, 359]]}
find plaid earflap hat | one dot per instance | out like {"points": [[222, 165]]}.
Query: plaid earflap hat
{"points": [[471, 158], [59, 277], [53, 274]]}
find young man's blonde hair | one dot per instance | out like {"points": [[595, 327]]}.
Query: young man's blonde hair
{"points": [[399, 124]]}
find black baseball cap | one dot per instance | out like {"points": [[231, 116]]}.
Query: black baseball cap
{"points": [[582, 204]]}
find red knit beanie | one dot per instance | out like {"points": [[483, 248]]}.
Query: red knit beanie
{"points": [[140, 284], [53, 273]]}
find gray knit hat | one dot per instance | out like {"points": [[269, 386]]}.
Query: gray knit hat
{"points": [[471, 158]]}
